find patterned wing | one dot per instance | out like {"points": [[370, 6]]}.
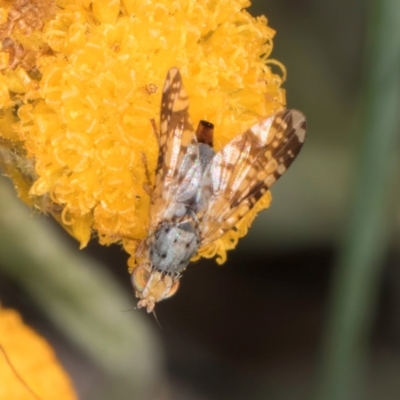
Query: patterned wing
{"points": [[247, 167], [178, 170]]}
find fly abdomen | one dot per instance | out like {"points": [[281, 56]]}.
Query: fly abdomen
{"points": [[173, 245]]}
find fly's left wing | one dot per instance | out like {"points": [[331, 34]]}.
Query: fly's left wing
{"points": [[178, 169], [247, 167]]}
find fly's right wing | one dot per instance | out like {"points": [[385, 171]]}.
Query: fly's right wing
{"points": [[242, 172]]}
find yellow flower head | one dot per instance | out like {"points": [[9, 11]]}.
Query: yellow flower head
{"points": [[80, 81], [28, 364]]}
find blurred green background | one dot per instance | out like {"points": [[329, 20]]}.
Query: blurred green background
{"points": [[308, 305]]}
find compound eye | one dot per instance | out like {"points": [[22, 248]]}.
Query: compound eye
{"points": [[140, 277], [172, 290]]}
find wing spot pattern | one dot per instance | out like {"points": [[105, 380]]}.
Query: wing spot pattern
{"points": [[247, 167], [241, 173], [281, 169]]}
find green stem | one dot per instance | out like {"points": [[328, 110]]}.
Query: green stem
{"points": [[356, 278]]}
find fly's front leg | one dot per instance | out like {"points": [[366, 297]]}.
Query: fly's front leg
{"points": [[155, 131], [147, 185]]}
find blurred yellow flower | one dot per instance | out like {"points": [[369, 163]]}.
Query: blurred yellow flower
{"points": [[80, 81], [33, 360]]}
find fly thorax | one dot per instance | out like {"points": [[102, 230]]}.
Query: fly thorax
{"points": [[173, 245]]}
